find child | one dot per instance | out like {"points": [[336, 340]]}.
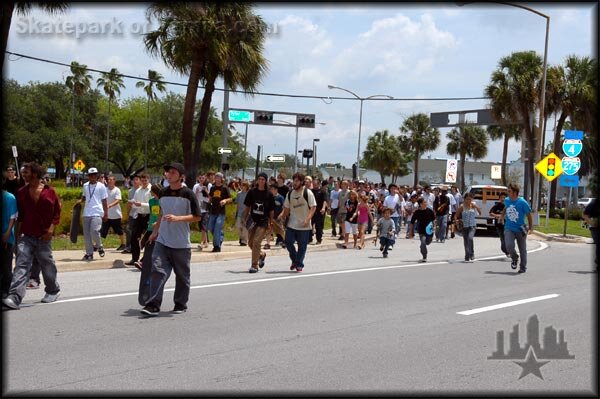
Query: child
{"points": [[425, 217], [363, 218], [350, 222], [386, 232], [276, 226]]}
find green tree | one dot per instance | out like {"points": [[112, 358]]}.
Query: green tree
{"points": [[206, 41], [383, 155], [112, 83], [149, 86], [418, 137], [79, 82], [467, 140]]}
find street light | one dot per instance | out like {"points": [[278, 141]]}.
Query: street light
{"points": [[538, 148], [315, 154], [360, 119]]}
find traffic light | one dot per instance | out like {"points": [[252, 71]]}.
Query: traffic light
{"points": [[225, 167], [551, 167], [307, 153], [305, 120], [262, 117]]}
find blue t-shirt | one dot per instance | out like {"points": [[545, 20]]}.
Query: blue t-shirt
{"points": [[9, 211], [515, 213], [278, 204]]}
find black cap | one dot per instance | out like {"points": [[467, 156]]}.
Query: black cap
{"points": [[263, 174], [175, 165]]}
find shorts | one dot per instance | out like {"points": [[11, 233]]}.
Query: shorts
{"points": [[363, 224], [452, 215], [115, 224], [340, 217], [351, 226], [203, 223]]}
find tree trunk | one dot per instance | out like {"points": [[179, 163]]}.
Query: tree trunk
{"points": [[59, 167], [188, 115], [7, 12], [202, 123], [462, 173], [382, 177], [416, 171], [504, 156], [556, 148]]}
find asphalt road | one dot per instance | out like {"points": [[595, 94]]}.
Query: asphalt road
{"points": [[352, 322]]}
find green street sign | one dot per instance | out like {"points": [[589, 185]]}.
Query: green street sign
{"points": [[239, 116]]}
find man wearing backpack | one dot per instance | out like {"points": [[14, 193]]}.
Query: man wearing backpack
{"points": [[300, 205]]}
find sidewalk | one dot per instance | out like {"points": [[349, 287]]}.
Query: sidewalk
{"points": [[71, 260]]}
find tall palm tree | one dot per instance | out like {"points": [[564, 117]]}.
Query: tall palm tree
{"points": [[112, 83], [206, 41], [79, 82], [24, 8], [382, 153], [467, 140], [505, 132], [418, 137], [149, 86]]}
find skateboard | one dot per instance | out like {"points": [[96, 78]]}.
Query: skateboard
{"points": [[75, 223]]}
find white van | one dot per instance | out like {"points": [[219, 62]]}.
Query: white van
{"points": [[486, 197]]}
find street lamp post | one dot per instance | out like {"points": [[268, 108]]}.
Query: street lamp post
{"points": [[314, 155], [537, 144], [362, 99]]}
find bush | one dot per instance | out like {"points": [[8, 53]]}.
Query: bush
{"points": [[574, 213]]}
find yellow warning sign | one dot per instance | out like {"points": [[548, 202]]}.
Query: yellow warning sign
{"points": [[79, 165], [550, 167]]}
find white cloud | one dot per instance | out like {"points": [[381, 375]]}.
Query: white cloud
{"points": [[309, 78]]}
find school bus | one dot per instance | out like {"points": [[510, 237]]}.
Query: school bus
{"points": [[486, 197]]}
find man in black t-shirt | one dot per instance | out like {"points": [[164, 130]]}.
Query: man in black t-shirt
{"points": [[318, 220], [258, 216], [424, 217], [496, 212], [218, 197]]}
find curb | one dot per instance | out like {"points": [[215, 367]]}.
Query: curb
{"points": [[549, 237]]}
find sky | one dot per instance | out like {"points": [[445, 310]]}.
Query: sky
{"points": [[410, 51]]}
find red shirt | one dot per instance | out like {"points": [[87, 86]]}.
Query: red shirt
{"points": [[36, 218]]}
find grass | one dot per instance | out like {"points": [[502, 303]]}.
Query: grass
{"points": [[556, 226]]}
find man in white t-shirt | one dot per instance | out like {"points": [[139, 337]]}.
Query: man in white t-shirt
{"points": [[429, 197], [94, 212], [392, 202], [114, 212]]}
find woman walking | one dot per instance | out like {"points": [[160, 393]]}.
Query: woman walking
{"points": [[350, 223], [466, 213], [363, 218]]}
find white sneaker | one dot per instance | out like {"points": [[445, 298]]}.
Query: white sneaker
{"points": [[49, 298]]}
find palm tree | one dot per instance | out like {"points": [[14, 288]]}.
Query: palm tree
{"points": [[112, 83], [207, 41], [467, 140], [418, 137], [154, 82], [506, 132], [79, 83], [382, 153], [24, 8]]}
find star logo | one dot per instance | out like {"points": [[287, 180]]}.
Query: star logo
{"points": [[531, 365]]}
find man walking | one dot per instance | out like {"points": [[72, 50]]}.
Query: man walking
{"points": [[219, 196], [140, 201], [343, 195], [131, 212], [9, 218], [318, 220], [114, 212], [39, 214], [496, 213], [173, 248], [259, 207], [516, 208], [300, 205], [94, 212]]}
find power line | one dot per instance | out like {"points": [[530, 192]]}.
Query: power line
{"points": [[247, 92]]}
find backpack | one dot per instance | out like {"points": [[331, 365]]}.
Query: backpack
{"points": [[304, 194]]}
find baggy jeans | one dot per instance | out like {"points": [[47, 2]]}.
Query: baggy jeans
{"points": [[468, 237], [91, 233], [425, 241], [386, 243], [30, 248], [165, 260], [509, 240], [215, 226], [441, 227], [301, 237]]}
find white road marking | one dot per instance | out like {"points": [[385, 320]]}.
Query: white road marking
{"points": [[292, 276], [507, 304]]}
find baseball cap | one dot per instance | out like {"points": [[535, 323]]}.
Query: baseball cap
{"points": [[92, 171], [175, 165], [263, 174]]}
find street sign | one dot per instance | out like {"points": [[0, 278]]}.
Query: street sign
{"points": [[572, 148], [496, 172], [79, 165], [14, 150], [550, 167], [450, 176], [452, 164], [239, 116], [275, 158], [222, 150], [570, 166], [569, 181], [573, 135]]}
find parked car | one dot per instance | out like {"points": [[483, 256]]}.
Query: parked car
{"points": [[583, 202]]}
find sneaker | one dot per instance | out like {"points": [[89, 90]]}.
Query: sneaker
{"points": [[318, 242], [293, 266], [242, 244], [267, 246], [261, 262], [130, 263], [390, 247], [385, 254], [381, 248], [216, 249], [10, 303], [423, 260], [87, 257], [49, 298], [468, 261], [150, 310], [333, 234], [514, 263], [283, 245], [138, 265], [126, 251], [32, 284], [179, 309], [253, 270], [101, 252], [522, 270], [95, 249], [341, 238], [299, 269], [472, 259], [443, 241], [452, 235], [199, 247]]}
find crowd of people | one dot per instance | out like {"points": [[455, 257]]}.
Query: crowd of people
{"points": [[293, 211]]}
